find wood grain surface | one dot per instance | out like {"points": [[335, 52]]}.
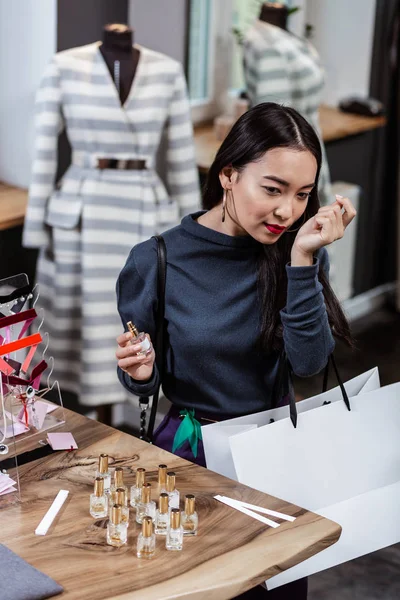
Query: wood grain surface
{"points": [[13, 202], [231, 553], [335, 125]]}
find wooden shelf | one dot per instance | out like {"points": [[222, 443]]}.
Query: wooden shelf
{"points": [[335, 125], [13, 202]]}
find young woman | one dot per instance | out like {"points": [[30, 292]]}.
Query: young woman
{"points": [[246, 279]]}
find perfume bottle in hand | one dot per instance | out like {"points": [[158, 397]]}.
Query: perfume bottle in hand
{"points": [[139, 338]]}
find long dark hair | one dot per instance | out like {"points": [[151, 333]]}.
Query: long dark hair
{"points": [[266, 126]]}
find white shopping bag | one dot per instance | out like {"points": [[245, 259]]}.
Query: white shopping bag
{"points": [[340, 464], [216, 435]]}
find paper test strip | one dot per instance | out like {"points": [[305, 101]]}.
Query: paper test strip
{"points": [[51, 514], [264, 511], [247, 512]]}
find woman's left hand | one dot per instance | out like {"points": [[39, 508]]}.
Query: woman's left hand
{"points": [[327, 226]]}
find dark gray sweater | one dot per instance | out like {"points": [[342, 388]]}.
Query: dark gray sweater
{"points": [[213, 362]]}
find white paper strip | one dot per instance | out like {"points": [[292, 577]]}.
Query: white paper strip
{"points": [[51, 514], [264, 511], [247, 512]]}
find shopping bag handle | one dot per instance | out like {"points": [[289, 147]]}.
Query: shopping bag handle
{"points": [[339, 380], [285, 373]]}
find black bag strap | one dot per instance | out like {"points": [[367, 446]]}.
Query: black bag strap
{"points": [[158, 342], [284, 373], [161, 281]]}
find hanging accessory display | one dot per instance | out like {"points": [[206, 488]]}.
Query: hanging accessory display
{"points": [[23, 406]]}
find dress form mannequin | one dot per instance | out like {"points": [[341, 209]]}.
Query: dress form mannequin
{"points": [[121, 59], [274, 13], [284, 68], [111, 198], [120, 56]]}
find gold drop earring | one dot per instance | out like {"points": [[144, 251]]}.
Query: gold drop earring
{"points": [[223, 206]]}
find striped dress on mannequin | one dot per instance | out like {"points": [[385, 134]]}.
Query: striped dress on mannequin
{"points": [[86, 226], [280, 67]]}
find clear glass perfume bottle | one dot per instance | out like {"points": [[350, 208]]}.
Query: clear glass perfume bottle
{"points": [[146, 507], [146, 543], [174, 540], [189, 517], [117, 531], [139, 338], [162, 478], [104, 472], [162, 515], [173, 493], [136, 490], [119, 481], [120, 498], [98, 500]]}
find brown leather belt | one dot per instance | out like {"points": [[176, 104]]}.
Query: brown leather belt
{"points": [[121, 164]]}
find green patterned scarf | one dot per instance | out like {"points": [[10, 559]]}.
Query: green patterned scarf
{"points": [[189, 430]]}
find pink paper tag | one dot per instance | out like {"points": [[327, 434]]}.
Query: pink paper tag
{"points": [[62, 441], [5, 482], [40, 414], [8, 490], [15, 429]]}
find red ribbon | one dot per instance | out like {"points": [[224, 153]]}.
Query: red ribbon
{"points": [[30, 340]]}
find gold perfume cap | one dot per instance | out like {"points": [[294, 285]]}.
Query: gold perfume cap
{"points": [[175, 518], [116, 514], [140, 473], [162, 474], [119, 496], [119, 477], [146, 493], [103, 463], [163, 504], [132, 328], [189, 504], [171, 478], [147, 526], [99, 486]]}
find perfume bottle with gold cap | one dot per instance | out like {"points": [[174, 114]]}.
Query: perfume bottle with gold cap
{"points": [[104, 473], [139, 338], [174, 539], [162, 478], [120, 498], [146, 543], [173, 493], [189, 517], [162, 515], [136, 490], [117, 531], [146, 507], [119, 482], [98, 500]]}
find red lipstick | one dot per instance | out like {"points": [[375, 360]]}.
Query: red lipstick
{"points": [[275, 229]]}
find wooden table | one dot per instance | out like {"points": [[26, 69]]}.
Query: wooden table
{"points": [[231, 554], [335, 125], [13, 202]]}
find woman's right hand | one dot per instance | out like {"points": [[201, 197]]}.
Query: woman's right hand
{"points": [[138, 367]]}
